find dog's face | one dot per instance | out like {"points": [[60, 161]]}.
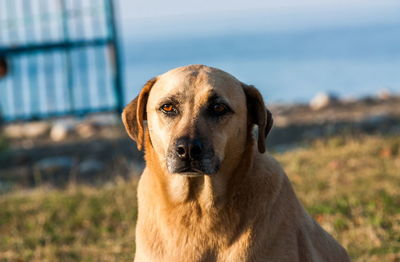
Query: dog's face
{"points": [[198, 119], [194, 118]]}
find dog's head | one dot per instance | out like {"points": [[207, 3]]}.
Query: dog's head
{"points": [[199, 119]]}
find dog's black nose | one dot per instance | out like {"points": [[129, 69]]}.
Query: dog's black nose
{"points": [[187, 149]]}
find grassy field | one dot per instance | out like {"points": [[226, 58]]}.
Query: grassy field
{"points": [[350, 185]]}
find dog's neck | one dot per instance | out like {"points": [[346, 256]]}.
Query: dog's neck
{"points": [[208, 191]]}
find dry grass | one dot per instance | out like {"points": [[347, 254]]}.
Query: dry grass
{"points": [[351, 186]]}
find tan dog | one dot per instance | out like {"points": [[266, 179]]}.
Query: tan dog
{"points": [[208, 192]]}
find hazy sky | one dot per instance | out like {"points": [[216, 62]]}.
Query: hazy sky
{"points": [[175, 17]]}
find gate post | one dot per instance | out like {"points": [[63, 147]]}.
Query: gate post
{"points": [[116, 59]]}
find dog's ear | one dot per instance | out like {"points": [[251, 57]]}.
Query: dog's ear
{"points": [[258, 114], [135, 113]]}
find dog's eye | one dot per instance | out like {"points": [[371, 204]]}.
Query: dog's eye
{"points": [[168, 109], [219, 109]]}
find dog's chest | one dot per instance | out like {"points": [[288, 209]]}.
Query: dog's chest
{"points": [[195, 240]]}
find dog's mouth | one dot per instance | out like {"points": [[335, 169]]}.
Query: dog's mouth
{"points": [[189, 171], [193, 168]]}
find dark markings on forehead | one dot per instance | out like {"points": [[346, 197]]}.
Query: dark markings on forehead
{"points": [[176, 98], [180, 97], [214, 97], [192, 77]]}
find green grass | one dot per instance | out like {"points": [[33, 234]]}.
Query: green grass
{"points": [[77, 224], [350, 185]]}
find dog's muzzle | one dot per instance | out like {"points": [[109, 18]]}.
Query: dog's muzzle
{"points": [[191, 157]]}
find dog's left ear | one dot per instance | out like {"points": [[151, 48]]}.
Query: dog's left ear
{"points": [[258, 114], [135, 113]]}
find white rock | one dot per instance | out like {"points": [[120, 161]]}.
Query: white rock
{"points": [[86, 130], [36, 129], [58, 133], [13, 130], [61, 129], [322, 100], [28, 130], [384, 94]]}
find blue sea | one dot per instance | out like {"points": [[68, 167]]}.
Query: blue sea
{"points": [[287, 66]]}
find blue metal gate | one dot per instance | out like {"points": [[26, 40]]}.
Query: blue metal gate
{"points": [[58, 57]]}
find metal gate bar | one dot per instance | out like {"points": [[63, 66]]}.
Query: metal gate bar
{"points": [[62, 57]]}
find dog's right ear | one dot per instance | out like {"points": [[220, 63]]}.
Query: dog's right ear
{"points": [[135, 113]]}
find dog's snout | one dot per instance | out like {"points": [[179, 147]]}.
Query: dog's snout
{"points": [[191, 155], [187, 149]]}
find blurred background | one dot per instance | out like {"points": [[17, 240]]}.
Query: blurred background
{"points": [[291, 50], [328, 71]]}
